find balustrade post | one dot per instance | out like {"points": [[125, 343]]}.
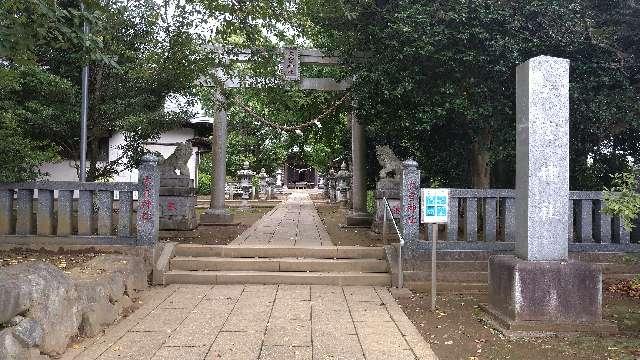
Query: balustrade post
{"points": [[602, 224], [65, 210], [584, 221], [509, 219], [85, 213], [125, 209], [452, 225], [6, 212], [471, 218], [105, 212], [410, 202], [24, 210], [490, 225], [44, 222], [148, 217]]}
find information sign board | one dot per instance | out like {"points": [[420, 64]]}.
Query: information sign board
{"points": [[435, 206]]}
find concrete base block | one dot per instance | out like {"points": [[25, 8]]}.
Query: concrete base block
{"points": [[541, 297], [358, 219], [215, 216]]}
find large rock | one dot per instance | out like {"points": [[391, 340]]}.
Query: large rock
{"points": [[44, 294], [104, 285], [12, 349], [96, 317], [29, 332], [131, 269], [15, 297]]}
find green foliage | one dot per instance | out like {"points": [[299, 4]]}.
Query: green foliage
{"points": [[623, 198], [140, 53], [34, 105], [266, 147], [204, 175], [371, 202], [27, 26], [20, 156], [435, 79]]}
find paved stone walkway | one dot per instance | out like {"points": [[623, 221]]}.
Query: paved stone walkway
{"points": [[248, 322], [294, 222]]}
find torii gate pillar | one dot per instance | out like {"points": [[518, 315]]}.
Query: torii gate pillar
{"points": [[359, 215], [217, 213]]}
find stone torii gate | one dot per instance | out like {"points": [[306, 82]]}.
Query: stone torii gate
{"points": [[292, 58]]}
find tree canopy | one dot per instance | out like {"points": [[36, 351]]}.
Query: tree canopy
{"points": [[435, 80]]}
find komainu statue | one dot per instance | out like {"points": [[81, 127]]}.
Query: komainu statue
{"points": [[391, 165], [176, 161]]}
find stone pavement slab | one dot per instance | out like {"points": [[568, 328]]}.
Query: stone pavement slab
{"points": [[252, 322], [294, 222]]}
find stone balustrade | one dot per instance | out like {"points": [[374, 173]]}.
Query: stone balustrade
{"points": [[488, 216], [26, 219]]}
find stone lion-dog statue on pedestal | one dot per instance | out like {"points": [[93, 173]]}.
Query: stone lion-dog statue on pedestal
{"points": [[389, 162], [176, 161]]}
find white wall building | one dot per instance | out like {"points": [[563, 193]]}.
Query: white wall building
{"points": [[66, 170]]}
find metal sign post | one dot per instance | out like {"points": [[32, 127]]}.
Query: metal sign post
{"points": [[84, 112], [435, 210]]}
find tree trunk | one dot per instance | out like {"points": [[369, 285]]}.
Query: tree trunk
{"points": [[480, 156]]}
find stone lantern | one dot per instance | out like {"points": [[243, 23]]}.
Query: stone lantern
{"points": [[246, 176], [263, 183], [332, 185], [343, 184]]}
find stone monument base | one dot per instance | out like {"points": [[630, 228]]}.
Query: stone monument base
{"points": [[217, 217], [392, 190], [530, 298], [358, 219], [177, 204]]}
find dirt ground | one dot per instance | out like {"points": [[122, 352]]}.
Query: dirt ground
{"points": [[455, 331], [217, 235], [333, 218], [64, 260]]}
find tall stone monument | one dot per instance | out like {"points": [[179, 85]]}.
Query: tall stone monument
{"points": [[177, 193], [539, 289]]}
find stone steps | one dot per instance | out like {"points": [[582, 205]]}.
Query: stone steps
{"points": [[279, 277], [264, 251], [260, 264], [278, 264]]}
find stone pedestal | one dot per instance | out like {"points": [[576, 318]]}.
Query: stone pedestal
{"points": [[540, 291], [177, 204], [545, 296], [392, 190], [216, 217], [358, 219]]}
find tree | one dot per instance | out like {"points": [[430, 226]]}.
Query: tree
{"points": [[436, 80], [147, 52], [264, 27], [34, 104]]}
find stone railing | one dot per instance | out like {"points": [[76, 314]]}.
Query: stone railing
{"points": [[488, 217], [91, 222]]}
